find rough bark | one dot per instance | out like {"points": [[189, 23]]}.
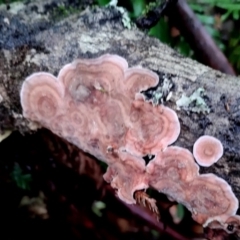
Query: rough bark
{"points": [[33, 40]]}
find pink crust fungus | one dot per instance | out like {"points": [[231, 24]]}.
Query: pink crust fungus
{"points": [[211, 198], [207, 150], [231, 225], [152, 128], [98, 106], [171, 170], [127, 176], [92, 104], [174, 163]]}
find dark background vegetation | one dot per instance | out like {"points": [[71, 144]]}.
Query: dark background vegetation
{"points": [[221, 19]]}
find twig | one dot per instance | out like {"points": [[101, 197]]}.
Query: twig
{"points": [[196, 35], [151, 220]]}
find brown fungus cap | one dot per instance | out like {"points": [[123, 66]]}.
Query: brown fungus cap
{"points": [[174, 192], [207, 150], [211, 198], [83, 77]]}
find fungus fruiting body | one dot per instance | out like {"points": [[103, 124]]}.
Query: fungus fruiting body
{"points": [[211, 198], [98, 106], [174, 163], [152, 128], [120, 175], [207, 150]]}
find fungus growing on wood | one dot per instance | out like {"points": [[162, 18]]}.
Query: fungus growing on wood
{"points": [[98, 106], [207, 150], [152, 128], [127, 176], [232, 225], [174, 163], [92, 105], [211, 198], [138, 79], [41, 97], [171, 170]]}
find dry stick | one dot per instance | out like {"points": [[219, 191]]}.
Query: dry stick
{"points": [[148, 218], [159, 226], [181, 16]]}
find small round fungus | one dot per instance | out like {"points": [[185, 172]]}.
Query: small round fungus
{"points": [[207, 150]]}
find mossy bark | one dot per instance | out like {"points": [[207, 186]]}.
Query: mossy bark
{"points": [[32, 40]]}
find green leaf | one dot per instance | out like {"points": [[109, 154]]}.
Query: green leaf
{"points": [[97, 207], [225, 16], [196, 7], [103, 2], [206, 20], [23, 181], [213, 32], [180, 211], [236, 15], [234, 42], [228, 6], [184, 48], [161, 31], [138, 7]]}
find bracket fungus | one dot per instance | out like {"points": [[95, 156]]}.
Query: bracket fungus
{"points": [[171, 170], [120, 175], [207, 150], [174, 163], [231, 225], [152, 128], [98, 105], [211, 198]]}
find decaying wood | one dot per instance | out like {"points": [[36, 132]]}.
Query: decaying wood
{"points": [[31, 40]]}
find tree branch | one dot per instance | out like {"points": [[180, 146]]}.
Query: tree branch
{"points": [[31, 42]]}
